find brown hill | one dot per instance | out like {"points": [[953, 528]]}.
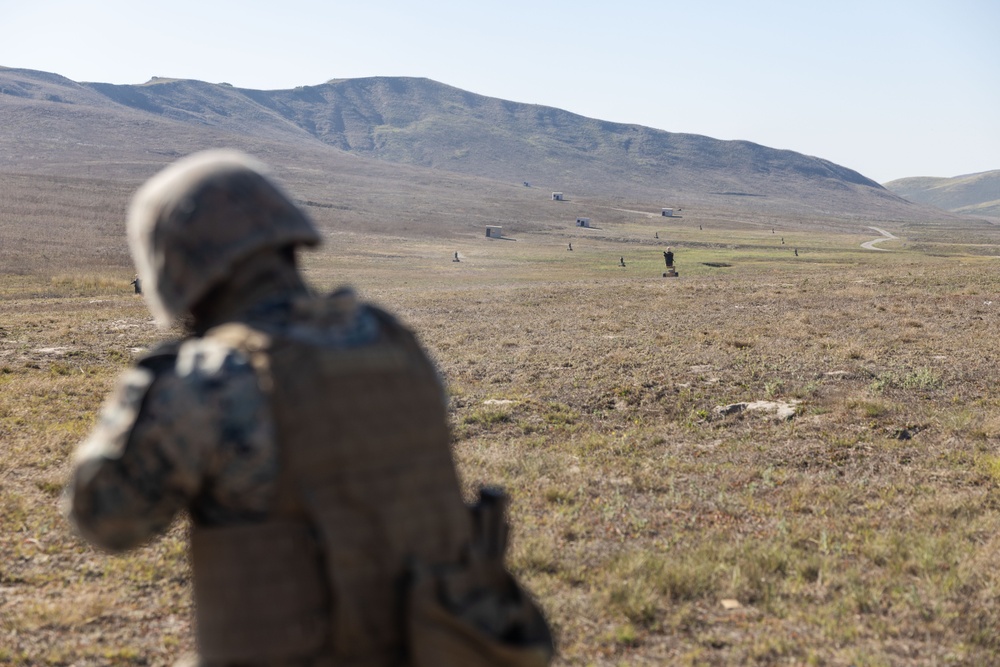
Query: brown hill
{"points": [[972, 194], [57, 126]]}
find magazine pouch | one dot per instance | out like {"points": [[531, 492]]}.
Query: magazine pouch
{"points": [[475, 614]]}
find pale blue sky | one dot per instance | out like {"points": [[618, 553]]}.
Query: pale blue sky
{"points": [[889, 88]]}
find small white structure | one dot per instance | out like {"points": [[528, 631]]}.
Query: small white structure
{"points": [[494, 232], [667, 212], [583, 222], [557, 196]]}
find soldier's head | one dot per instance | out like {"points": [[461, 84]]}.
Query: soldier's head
{"points": [[194, 223]]}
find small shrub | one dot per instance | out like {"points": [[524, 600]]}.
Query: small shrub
{"points": [[882, 382], [626, 635], [487, 416], [870, 409], [989, 465], [560, 415], [924, 378]]}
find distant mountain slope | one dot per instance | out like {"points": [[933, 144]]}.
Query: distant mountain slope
{"points": [[418, 121], [51, 120], [57, 126], [977, 194]]}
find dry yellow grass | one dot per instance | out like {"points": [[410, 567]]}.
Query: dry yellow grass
{"points": [[860, 532]]}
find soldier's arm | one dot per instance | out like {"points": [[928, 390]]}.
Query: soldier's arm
{"points": [[172, 433], [134, 472]]}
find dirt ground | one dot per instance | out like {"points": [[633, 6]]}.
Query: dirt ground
{"points": [[654, 526]]}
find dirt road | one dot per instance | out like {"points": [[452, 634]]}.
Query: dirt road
{"points": [[886, 236]]}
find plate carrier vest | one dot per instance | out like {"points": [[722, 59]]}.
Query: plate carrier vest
{"points": [[367, 486]]}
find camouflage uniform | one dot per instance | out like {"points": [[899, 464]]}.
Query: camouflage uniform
{"points": [[188, 412], [307, 438]]}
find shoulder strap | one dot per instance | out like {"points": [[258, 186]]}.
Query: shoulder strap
{"points": [[160, 358], [255, 344]]}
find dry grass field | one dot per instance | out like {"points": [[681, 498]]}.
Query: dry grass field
{"points": [[653, 528]]}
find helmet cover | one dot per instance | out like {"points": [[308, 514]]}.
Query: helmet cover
{"points": [[191, 223]]}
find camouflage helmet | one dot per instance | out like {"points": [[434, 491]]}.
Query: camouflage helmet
{"points": [[190, 224]]}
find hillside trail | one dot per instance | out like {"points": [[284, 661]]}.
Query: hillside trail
{"points": [[886, 236]]}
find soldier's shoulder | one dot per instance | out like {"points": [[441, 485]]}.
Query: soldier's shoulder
{"points": [[197, 356], [381, 323], [211, 358], [159, 358], [338, 319], [384, 317], [345, 302]]}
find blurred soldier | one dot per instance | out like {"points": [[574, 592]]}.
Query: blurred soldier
{"points": [[307, 438], [137, 283], [668, 258]]}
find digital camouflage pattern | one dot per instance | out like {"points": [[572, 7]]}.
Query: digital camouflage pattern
{"points": [[188, 413], [307, 438], [190, 224]]}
